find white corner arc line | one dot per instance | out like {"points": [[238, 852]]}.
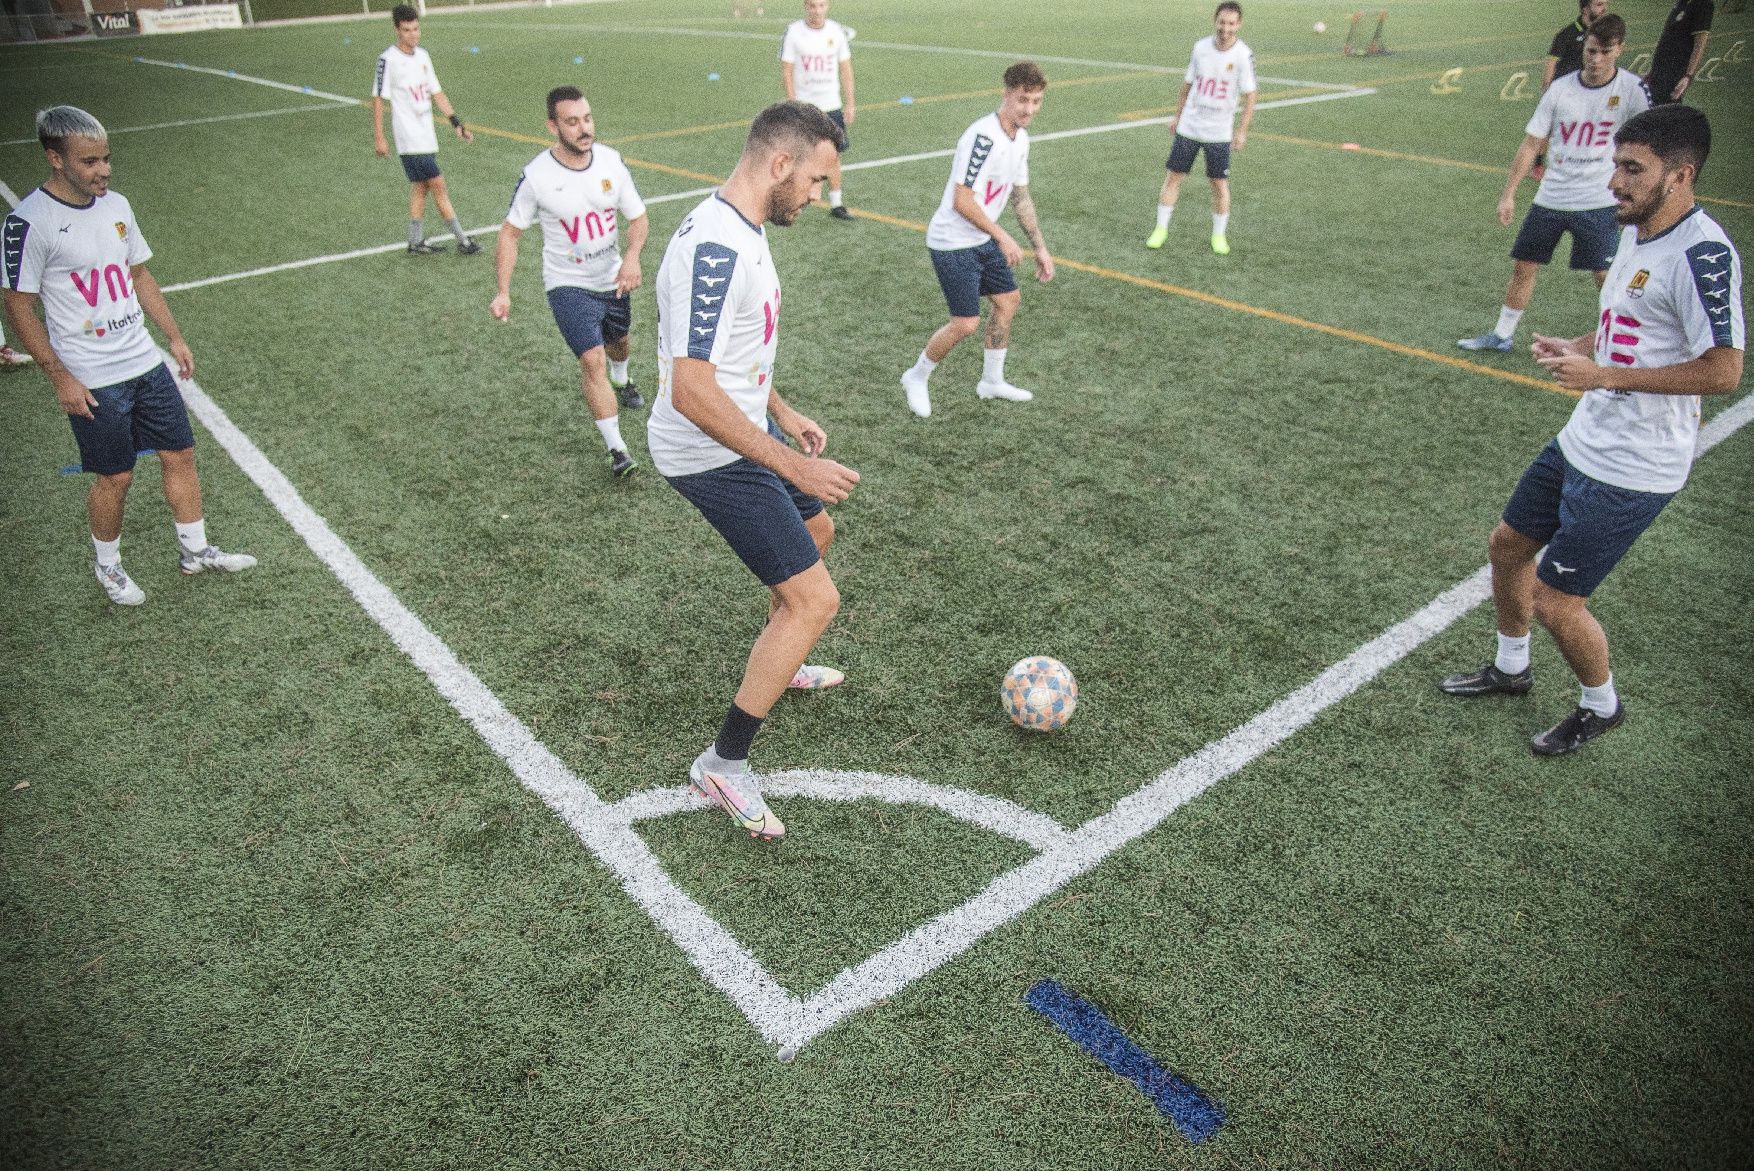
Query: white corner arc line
{"points": [[195, 121], [995, 814], [726, 963], [234, 75]]}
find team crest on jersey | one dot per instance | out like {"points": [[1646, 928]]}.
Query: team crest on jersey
{"points": [[1635, 286], [1613, 101], [121, 229], [607, 186], [1229, 65]]}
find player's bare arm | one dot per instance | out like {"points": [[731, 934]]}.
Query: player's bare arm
{"points": [[696, 393], [21, 314], [1717, 371], [1242, 127], [1547, 73], [631, 276], [808, 434], [789, 81], [158, 311], [970, 209], [449, 111], [1520, 166], [379, 142], [505, 262], [846, 88], [1553, 347], [1693, 63], [1023, 205], [1181, 103]]}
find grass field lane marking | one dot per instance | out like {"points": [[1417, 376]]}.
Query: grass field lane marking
{"points": [[196, 121], [234, 75], [725, 962], [9, 195]]}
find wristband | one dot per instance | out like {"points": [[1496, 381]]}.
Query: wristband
{"points": [[457, 122]]}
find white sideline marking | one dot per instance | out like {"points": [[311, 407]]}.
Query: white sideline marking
{"points": [[234, 75], [1007, 818], [194, 121], [703, 192], [10, 196]]}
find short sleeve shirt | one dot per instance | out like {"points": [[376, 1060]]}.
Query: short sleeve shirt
{"points": [[718, 301], [1675, 45], [1666, 301], [991, 163], [408, 81], [578, 210], [79, 261], [1579, 123], [815, 55], [1218, 80]]}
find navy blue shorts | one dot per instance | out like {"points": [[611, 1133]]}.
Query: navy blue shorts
{"points": [[419, 168], [968, 274], [1595, 237], [1182, 151], [1587, 525], [141, 414], [589, 319], [760, 515], [839, 118]]}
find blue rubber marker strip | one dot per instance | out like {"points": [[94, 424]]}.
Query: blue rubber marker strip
{"points": [[75, 469], [1194, 1113]]}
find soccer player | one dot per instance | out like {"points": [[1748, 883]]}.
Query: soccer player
{"points": [[1565, 56], [73, 246], [716, 428], [1576, 118], [1680, 50], [1221, 73], [405, 76], [575, 189], [971, 253], [816, 65], [1670, 331]]}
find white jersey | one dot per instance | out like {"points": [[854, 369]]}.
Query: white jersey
{"points": [[1218, 79], [1578, 123], [408, 81], [991, 163], [78, 260], [1666, 301], [581, 240], [718, 301], [815, 55]]}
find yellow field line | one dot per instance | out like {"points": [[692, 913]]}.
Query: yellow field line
{"points": [[1270, 314], [516, 136]]}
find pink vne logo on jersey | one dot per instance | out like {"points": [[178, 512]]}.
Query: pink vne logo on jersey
{"points": [[994, 191], [1608, 335], [1213, 87], [419, 91], [817, 62], [770, 318], [592, 225], [1587, 133], [115, 282]]}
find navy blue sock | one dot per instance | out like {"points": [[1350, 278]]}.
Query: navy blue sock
{"points": [[737, 734]]}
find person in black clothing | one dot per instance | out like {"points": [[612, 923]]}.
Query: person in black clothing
{"points": [[1679, 50], [1566, 54]]}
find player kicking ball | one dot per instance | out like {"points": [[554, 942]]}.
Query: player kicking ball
{"points": [[72, 245], [717, 430], [972, 255], [576, 189]]}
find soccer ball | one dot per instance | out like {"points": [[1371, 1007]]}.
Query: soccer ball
{"points": [[1321, 26], [1039, 693]]}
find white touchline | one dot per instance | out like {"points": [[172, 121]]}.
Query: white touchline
{"points": [[234, 75], [9, 195], [703, 192], [195, 121]]}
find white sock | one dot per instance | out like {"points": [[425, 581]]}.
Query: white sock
{"points": [[611, 429], [193, 536], [711, 761], [1601, 700], [924, 366], [834, 198], [1513, 654], [1507, 319], [618, 371], [994, 368], [1220, 221], [108, 552], [1164, 211]]}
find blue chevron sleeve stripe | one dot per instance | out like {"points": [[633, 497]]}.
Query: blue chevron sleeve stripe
{"points": [[12, 236], [1712, 263], [713, 265]]}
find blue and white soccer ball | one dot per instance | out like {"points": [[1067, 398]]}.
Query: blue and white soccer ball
{"points": [[1039, 693]]}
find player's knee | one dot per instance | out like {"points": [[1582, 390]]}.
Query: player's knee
{"points": [[1508, 548], [821, 528], [115, 481], [962, 327], [1554, 609]]}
